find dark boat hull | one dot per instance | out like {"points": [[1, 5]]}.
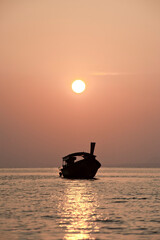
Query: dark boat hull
{"points": [[85, 169]]}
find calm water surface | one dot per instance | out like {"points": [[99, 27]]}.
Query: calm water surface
{"points": [[119, 204]]}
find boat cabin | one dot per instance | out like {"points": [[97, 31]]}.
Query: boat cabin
{"points": [[71, 158]]}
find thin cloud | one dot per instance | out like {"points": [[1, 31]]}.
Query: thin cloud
{"points": [[102, 74], [111, 73]]}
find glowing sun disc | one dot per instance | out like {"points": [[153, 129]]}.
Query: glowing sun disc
{"points": [[78, 86]]}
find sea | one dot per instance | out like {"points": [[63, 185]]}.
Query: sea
{"points": [[121, 203]]}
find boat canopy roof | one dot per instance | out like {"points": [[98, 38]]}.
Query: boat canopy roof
{"points": [[83, 154]]}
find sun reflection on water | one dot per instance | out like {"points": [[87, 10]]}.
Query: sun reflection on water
{"points": [[78, 210]]}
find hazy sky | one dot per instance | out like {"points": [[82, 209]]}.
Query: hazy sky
{"points": [[114, 46]]}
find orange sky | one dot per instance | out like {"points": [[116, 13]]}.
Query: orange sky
{"points": [[114, 47]]}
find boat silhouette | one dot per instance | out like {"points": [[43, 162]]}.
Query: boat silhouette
{"points": [[85, 168]]}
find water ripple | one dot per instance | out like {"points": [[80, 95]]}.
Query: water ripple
{"points": [[120, 204]]}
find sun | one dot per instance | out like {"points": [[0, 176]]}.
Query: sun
{"points": [[78, 86]]}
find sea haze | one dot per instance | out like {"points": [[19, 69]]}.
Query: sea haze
{"points": [[120, 203]]}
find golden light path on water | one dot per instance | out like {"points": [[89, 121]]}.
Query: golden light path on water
{"points": [[78, 210]]}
